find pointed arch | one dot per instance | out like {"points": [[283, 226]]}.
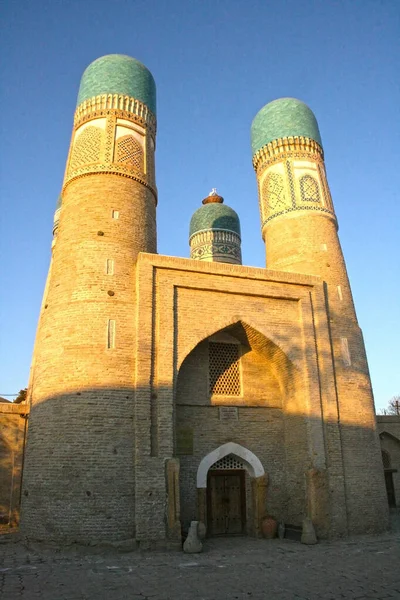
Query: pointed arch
{"points": [[389, 435], [258, 339], [255, 467]]}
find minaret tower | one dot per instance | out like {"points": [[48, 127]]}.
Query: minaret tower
{"points": [[299, 227], [79, 475]]}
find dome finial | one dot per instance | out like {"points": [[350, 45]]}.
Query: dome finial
{"points": [[213, 197]]}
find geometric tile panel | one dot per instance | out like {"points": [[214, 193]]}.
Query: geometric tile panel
{"points": [[274, 191], [309, 189], [87, 148], [129, 152]]}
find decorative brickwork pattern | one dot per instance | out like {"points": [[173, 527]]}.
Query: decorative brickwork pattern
{"points": [[289, 173], [104, 164], [224, 369], [273, 192], [87, 148], [309, 190], [110, 138], [325, 186], [129, 152], [281, 149], [150, 167], [116, 105], [218, 246]]}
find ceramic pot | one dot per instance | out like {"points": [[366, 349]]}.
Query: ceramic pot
{"points": [[269, 527]]}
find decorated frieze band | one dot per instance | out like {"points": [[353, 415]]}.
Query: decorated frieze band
{"points": [[214, 235], [125, 107], [219, 246], [113, 170], [217, 253], [290, 147], [111, 144], [321, 209], [293, 185]]}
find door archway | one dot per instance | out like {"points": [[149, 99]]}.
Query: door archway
{"points": [[222, 494]]}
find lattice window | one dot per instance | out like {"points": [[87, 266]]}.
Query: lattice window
{"points": [[228, 462], [309, 189], [386, 459], [87, 148], [129, 152], [224, 369], [274, 191]]}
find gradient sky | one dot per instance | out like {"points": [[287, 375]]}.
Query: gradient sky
{"points": [[216, 63]]}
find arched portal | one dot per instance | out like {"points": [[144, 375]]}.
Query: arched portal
{"points": [[231, 485], [238, 389], [255, 467]]}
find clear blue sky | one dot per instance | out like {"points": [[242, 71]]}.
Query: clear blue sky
{"points": [[216, 63]]}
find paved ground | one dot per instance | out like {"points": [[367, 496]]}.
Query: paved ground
{"points": [[228, 569]]}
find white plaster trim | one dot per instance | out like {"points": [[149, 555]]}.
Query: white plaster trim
{"points": [[256, 468]]}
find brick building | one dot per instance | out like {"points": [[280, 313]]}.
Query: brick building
{"points": [[166, 389]]}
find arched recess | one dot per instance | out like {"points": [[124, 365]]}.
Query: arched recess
{"points": [[390, 448], [389, 435], [255, 467], [285, 373], [270, 413], [240, 326]]}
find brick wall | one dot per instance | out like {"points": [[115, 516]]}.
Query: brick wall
{"points": [[304, 239], [79, 474], [13, 422], [284, 316]]}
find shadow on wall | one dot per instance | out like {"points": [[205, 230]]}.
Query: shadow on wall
{"points": [[12, 441], [100, 466]]}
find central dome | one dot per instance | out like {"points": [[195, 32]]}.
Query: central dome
{"points": [[214, 216], [118, 74]]}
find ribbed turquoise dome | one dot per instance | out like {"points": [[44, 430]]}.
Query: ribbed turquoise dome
{"points": [[118, 74], [283, 118], [214, 216]]}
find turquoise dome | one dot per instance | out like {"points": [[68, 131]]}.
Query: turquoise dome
{"points": [[214, 216], [283, 118], [118, 74]]}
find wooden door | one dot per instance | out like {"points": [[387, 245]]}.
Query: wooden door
{"points": [[226, 514]]}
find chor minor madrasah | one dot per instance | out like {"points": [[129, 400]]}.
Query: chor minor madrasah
{"points": [[164, 389]]}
